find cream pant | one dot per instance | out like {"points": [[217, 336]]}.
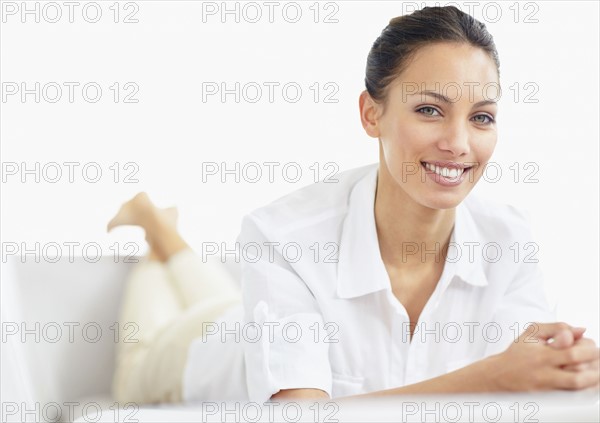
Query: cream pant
{"points": [[164, 306]]}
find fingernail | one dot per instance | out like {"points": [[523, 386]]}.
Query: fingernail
{"points": [[580, 328]]}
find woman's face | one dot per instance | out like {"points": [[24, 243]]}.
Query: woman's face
{"points": [[435, 145]]}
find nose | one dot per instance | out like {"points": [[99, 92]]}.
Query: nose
{"points": [[455, 139]]}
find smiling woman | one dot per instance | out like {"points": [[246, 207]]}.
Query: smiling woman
{"points": [[382, 318]]}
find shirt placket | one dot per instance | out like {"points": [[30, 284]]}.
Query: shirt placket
{"points": [[417, 350], [399, 344]]}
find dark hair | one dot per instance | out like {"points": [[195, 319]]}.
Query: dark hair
{"points": [[405, 35]]}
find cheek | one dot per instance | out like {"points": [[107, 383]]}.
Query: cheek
{"points": [[482, 152], [414, 136], [408, 142], [484, 148]]}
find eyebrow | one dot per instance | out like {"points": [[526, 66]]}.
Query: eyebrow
{"points": [[445, 99]]}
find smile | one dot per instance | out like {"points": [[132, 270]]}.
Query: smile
{"points": [[446, 173]]}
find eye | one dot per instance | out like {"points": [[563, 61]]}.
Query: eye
{"points": [[489, 121], [428, 110]]}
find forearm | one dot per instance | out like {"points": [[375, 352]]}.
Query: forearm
{"points": [[529, 364], [477, 377]]}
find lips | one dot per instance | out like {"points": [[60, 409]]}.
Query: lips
{"points": [[449, 170], [446, 173]]}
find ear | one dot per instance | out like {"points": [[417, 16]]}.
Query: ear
{"points": [[369, 114]]}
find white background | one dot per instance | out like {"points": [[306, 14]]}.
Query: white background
{"points": [[170, 131]]}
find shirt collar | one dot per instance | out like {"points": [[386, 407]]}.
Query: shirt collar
{"points": [[360, 268]]}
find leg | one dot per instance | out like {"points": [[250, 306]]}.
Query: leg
{"points": [[198, 281], [156, 371], [181, 294], [194, 279], [149, 306]]}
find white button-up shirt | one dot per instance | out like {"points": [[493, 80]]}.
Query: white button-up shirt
{"points": [[319, 311]]}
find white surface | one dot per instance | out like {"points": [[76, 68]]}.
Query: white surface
{"points": [[17, 383], [559, 407], [62, 366]]}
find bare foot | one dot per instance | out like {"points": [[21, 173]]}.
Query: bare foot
{"points": [[160, 225], [136, 211], [132, 212]]}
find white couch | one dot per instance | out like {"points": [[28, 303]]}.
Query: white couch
{"points": [[62, 304]]}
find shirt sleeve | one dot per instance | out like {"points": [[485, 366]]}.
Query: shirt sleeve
{"points": [[283, 310], [525, 299]]}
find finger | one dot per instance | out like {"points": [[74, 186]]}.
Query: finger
{"points": [[546, 331], [564, 338], [578, 332], [590, 365], [561, 340], [575, 355], [586, 341], [577, 367], [563, 379]]}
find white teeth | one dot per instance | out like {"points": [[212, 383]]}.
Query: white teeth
{"points": [[446, 172]]}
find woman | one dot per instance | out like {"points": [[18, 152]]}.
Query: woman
{"points": [[385, 291]]}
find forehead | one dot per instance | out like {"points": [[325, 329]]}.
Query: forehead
{"points": [[444, 64]]}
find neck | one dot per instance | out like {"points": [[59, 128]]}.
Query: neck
{"points": [[410, 235]]}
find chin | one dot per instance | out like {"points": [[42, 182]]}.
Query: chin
{"points": [[441, 202]]}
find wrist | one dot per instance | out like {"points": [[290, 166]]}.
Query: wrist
{"points": [[491, 373]]}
